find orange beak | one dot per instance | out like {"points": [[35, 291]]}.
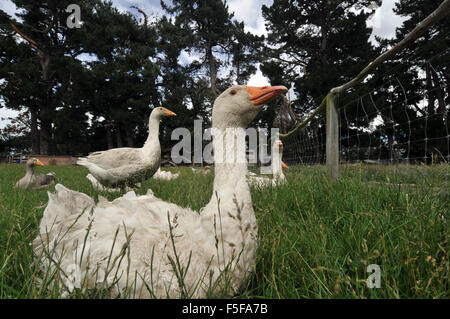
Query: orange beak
{"points": [[264, 94], [169, 112], [279, 144], [284, 165], [39, 163]]}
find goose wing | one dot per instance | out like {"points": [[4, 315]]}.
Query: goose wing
{"points": [[116, 157], [43, 179]]}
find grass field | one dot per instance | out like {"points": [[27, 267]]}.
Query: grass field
{"points": [[316, 238]]}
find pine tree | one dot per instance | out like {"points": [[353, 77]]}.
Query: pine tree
{"points": [[207, 25], [55, 45], [21, 88], [422, 79], [124, 75], [317, 45]]}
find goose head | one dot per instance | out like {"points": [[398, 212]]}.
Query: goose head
{"points": [[160, 112], [33, 162], [238, 105]]}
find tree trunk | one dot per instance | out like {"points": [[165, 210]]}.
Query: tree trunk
{"points": [[109, 138], [438, 91], [45, 137], [35, 136], [391, 147], [46, 121], [324, 41], [212, 69], [129, 139], [430, 92], [119, 137]]}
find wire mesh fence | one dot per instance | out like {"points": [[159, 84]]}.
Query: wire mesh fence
{"points": [[395, 124]]}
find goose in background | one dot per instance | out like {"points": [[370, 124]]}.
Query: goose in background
{"points": [[35, 181], [205, 170], [165, 175], [145, 247], [119, 167], [277, 166]]}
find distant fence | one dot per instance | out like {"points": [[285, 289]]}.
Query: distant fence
{"points": [[320, 139], [45, 159]]}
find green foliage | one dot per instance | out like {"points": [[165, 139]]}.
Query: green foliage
{"points": [[102, 80], [317, 45], [409, 92]]}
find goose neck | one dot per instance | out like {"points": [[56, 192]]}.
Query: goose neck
{"points": [[153, 131], [276, 163], [29, 170], [229, 157]]}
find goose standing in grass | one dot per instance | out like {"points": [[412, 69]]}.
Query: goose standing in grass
{"points": [[36, 181], [123, 166], [142, 246], [277, 165]]}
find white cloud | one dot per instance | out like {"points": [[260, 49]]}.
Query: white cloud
{"points": [[249, 11], [257, 79], [384, 21], [187, 58], [5, 113], [150, 7], [8, 6]]}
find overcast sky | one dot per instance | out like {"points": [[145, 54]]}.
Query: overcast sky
{"points": [[384, 23]]}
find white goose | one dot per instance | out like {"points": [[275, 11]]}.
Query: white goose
{"points": [[151, 248], [166, 175], [277, 165], [126, 165]]}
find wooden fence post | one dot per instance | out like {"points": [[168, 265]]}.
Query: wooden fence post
{"points": [[332, 147]]}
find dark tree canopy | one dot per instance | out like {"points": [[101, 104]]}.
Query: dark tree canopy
{"points": [[91, 88]]}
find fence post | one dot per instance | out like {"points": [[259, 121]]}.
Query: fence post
{"points": [[332, 147]]}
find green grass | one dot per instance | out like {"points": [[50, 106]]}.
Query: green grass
{"points": [[316, 237]]}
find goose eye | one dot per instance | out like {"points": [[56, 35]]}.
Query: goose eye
{"points": [[233, 92]]}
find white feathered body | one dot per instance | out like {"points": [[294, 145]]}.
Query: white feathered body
{"points": [[221, 237], [116, 167], [165, 175]]}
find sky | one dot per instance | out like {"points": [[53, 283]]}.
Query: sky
{"points": [[384, 23]]}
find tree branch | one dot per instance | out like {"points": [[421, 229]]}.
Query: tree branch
{"points": [[442, 11], [31, 41]]}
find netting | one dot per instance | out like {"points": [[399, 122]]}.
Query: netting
{"points": [[395, 121], [388, 125], [307, 145]]}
